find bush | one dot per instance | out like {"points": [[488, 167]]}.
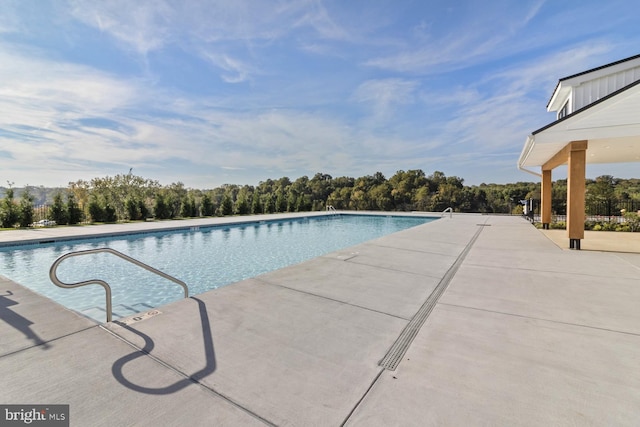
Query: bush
{"points": [[633, 220]]}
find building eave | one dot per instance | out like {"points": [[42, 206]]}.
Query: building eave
{"points": [[610, 122]]}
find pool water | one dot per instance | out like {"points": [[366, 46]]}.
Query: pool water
{"points": [[204, 258]]}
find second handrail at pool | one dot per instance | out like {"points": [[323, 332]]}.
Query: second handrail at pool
{"points": [[54, 278]]}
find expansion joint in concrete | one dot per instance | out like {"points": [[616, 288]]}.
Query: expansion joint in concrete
{"points": [[397, 351], [193, 380]]}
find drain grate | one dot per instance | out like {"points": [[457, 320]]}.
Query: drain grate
{"points": [[397, 351]]}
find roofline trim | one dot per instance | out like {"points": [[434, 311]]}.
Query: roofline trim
{"points": [[586, 107], [600, 67], [631, 58]]}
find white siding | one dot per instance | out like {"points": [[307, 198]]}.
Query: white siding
{"points": [[593, 90]]}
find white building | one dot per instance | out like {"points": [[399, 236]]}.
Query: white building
{"points": [[598, 121]]}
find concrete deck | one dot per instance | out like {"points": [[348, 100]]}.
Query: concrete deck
{"points": [[500, 327], [603, 241]]}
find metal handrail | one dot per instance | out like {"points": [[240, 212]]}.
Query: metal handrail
{"points": [[450, 210], [331, 209], [54, 278]]}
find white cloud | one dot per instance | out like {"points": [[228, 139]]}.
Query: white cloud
{"points": [[236, 70], [48, 105], [143, 25], [409, 108], [385, 94]]}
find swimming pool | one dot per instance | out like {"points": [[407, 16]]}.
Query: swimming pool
{"points": [[205, 258]]}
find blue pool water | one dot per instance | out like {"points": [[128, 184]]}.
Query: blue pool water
{"points": [[205, 259]]}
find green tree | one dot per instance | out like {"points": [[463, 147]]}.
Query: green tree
{"points": [[143, 209], [281, 201], [9, 213], [58, 211], [242, 206], [404, 186], [132, 209], [268, 203], [96, 210], [601, 195], [319, 189], [161, 210], [110, 214], [175, 194], [74, 212], [188, 208], [81, 191], [381, 197], [226, 207], [26, 208], [256, 206], [207, 205]]}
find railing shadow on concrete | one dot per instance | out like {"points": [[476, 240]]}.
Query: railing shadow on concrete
{"points": [[18, 321], [210, 365]]}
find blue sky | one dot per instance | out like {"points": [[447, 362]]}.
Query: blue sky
{"points": [[214, 92]]}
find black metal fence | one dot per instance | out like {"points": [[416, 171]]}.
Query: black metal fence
{"points": [[40, 212], [612, 208], [600, 208]]}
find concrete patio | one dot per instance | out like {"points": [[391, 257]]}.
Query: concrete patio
{"points": [[477, 320]]}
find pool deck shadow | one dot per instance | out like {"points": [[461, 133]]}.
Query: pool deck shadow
{"points": [[518, 331]]}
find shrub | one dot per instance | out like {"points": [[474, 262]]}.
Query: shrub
{"points": [[633, 220]]}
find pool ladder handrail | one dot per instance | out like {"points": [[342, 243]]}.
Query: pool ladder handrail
{"points": [[450, 210], [331, 209], [54, 278]]}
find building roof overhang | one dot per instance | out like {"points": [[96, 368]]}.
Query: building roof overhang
{"points": [[611, 125]]}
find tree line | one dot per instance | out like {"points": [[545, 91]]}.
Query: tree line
{"points": [[127, 197]]}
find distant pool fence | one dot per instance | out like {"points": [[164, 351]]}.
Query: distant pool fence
{"points": [[599, 212]]}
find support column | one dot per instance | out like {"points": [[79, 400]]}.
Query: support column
{"points": [[545, 199], [576, 177]]}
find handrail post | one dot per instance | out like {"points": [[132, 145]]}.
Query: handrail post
{"points": [[450, 210]]}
